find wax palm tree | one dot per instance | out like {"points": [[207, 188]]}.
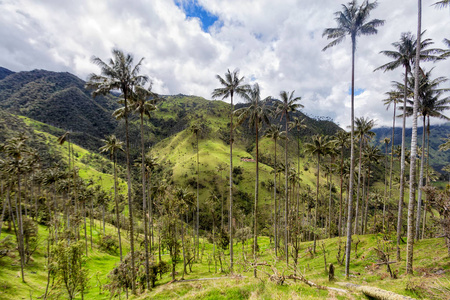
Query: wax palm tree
{"points": [[150, 166], [231, 85], [430, 104], [372, 155], [352, 21], [196, 129], [341, 139], [405, 56], [257, 113], [412, 166], [275, 133], [386, 142], [112, 145], [120, 74], [364, 134], [17, 149], [394, 97], [143, 102], [284, 108], [318, 147]]}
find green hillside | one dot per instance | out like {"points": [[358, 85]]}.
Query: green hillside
{"points": [[438, 159]]}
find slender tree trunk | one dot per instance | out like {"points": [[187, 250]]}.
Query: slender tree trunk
{"points": [[317, 202], [419, 197], [275, 203], [385, 185], [367, 202], [402, 171], [130, 200], [230, 213], [116, 201], [21, 245], [352, 164], [341, 192], [198, 203], [412, 184], [144, 203], [358, 187], [255, 229], [392, 151], [286, 249]]}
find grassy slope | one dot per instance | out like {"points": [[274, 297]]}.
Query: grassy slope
{"points": [[86, 170], [430, 258]]}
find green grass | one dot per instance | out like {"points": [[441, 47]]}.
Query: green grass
{"points": [[429, 256]]}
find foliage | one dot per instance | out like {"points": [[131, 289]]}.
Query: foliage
{"points": [[70, 265], [120, 277]]}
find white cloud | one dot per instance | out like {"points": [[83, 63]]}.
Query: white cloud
{"points": [[277, 43]]}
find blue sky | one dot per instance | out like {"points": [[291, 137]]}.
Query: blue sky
{"points": [[357, 91], [194, 10]]}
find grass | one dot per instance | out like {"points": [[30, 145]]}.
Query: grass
{"points": [[430, 258]]}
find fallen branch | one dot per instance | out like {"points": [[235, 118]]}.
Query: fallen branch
{"points": [[374, 292], [312, 284]]}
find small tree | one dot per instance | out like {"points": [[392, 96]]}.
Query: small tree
{"points": [[71, 272]]}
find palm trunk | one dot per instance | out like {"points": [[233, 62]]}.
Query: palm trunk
{"points": [[130, 200], [116, 201], [21, 245], [255, 229], [275, 203], [144, 204], [392, 151], [198, 203], [230, 213], [286, 250], [341, 192], [402, 171], [367, 201], [352, 164], [317, 202], [385, 186], [412, 187], [358, 187], [419, 197]]}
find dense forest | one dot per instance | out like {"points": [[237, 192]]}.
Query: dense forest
{"points": [[109, 190]]}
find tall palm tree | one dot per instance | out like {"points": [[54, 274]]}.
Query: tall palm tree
{"points": [[412, 165], [341, 140], [386, 142], [275, 133], [405, 56], [120, 74], [372, 155], [364, 134], [143, 102], [16, 148], [231, 85], [430, 104], [196, 129], [257, 113], [352, 21], [112, 145], [394, 97], [319, 147], [284, 108]]}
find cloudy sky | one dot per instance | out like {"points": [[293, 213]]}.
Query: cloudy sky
{"points": [[187, 42]]}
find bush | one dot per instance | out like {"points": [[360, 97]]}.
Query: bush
{"points": [[109, 244]]}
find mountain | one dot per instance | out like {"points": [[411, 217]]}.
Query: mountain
{"points": [[60, 100], [438, 159], [4, 73]]}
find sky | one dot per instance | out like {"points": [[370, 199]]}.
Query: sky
{"points": [[186, 43]]}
